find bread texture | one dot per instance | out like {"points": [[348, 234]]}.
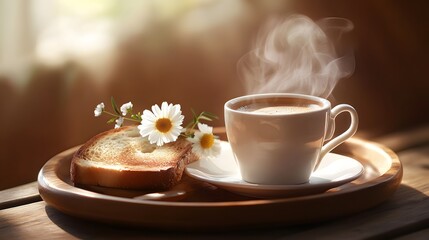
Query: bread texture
{"points": [[121, 158]]}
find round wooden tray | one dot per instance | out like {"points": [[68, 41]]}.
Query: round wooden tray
{"points": [[206, 206]]}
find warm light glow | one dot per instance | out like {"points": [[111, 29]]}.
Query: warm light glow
{"points": [[88, 33]]}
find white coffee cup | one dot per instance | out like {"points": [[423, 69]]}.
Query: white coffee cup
{"points": [[279, 138]]}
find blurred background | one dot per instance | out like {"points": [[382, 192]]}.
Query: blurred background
{"points": [[59, 59]]}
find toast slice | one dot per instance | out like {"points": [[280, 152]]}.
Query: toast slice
{"points": [[121, 158]]}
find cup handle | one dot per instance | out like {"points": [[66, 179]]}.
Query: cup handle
{"points": [[331, 126]]}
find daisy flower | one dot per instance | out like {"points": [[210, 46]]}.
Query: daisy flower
{"points": [[162, 125], [119, 122], [99, 109], [204, 142], [126, 107]]}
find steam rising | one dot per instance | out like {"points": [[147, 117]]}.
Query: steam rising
{"points": [[297, 55]]}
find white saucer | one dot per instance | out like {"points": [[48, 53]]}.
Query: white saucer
{"points": [[223, 172]]}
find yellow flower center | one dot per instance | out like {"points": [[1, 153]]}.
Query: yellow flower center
{"points": [[163, 125], [207, 140]]}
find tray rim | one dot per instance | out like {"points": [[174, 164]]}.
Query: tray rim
{"points": [[47, 188]]}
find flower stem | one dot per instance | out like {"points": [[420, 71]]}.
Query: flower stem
{"points": [[116, 115]]}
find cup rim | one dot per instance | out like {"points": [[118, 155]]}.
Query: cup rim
{"points": [[326, 105]]}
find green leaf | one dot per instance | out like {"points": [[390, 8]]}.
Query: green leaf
{"points": [[206, 118], [114, 106], [112, 120], [210, 115]]}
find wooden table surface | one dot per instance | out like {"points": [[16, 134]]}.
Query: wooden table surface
{"points": [[24, 215]]}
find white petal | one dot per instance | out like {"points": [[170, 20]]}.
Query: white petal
{"points": [[164, 109], [159, 142], [175, 110], [124, 108], [215, 150], [119, 122], [154, 137], [198, 135], [144, 133], [99, 109], [147, 125], [175, 136], [176, 126], [205, 128], [146, 128], [148, 115], [169, 111], [156, 111], [193, 140], [177, 117], [175, 132], [177, 107], [97, 113], [166, 138], [100, 106], [197, 149]]}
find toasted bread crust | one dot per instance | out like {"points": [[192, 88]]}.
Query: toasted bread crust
{"points": [[126, 173]]}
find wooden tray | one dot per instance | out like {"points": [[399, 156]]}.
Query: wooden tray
{"points": [[206, 207]]}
